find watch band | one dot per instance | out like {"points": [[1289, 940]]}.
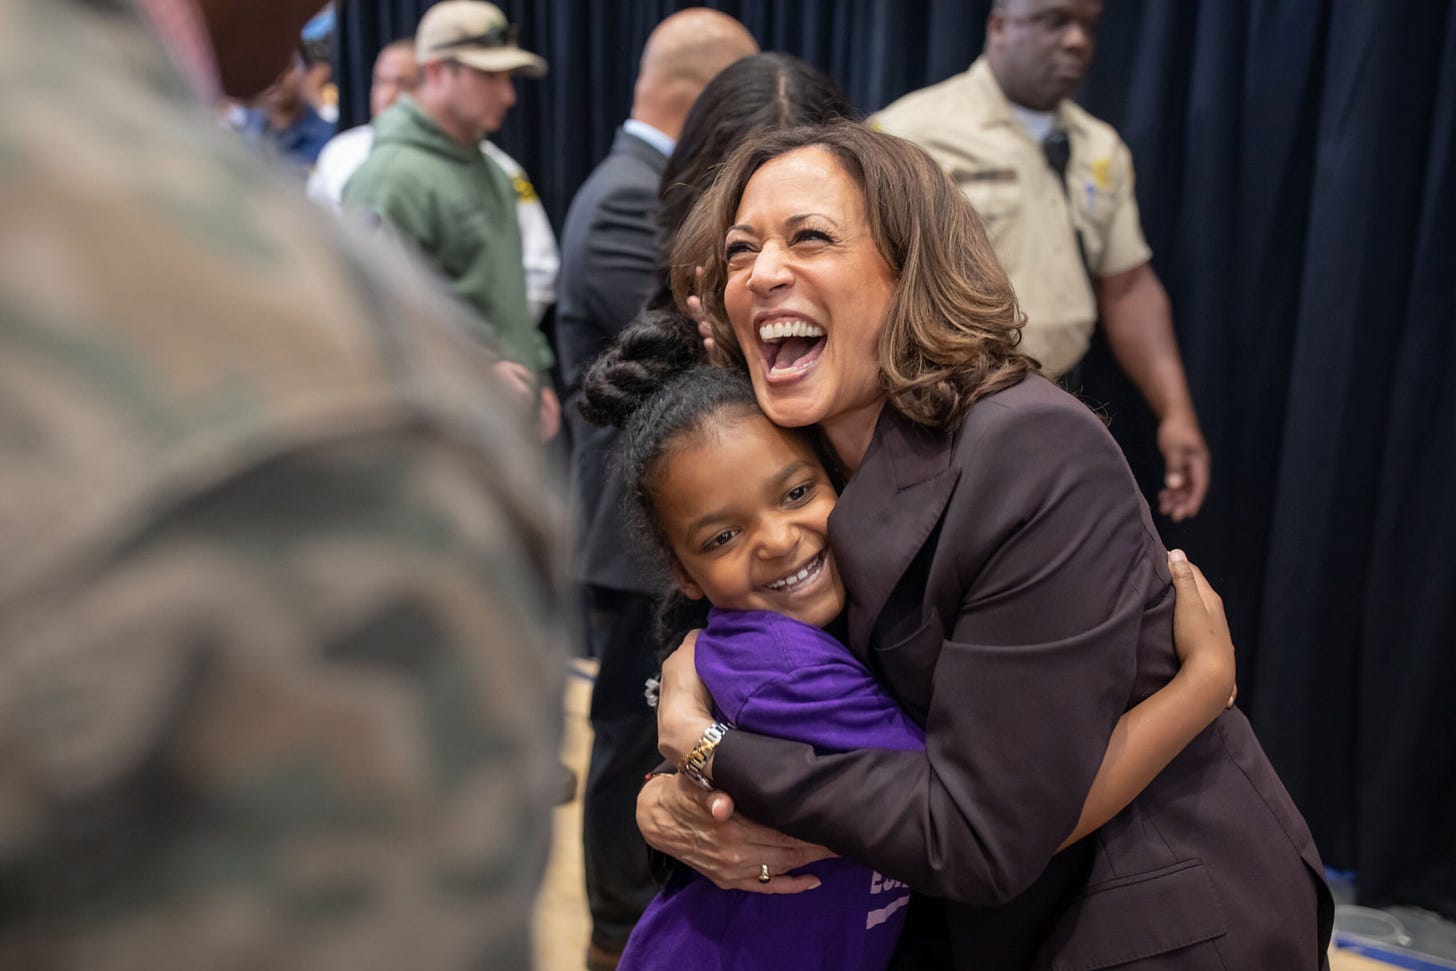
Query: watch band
{"points": [[697, 758]]}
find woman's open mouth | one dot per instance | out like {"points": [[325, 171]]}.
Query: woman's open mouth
{"points": [[790, 347]]}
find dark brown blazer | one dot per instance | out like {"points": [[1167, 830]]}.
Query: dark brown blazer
{"points": [[1007, 584]]}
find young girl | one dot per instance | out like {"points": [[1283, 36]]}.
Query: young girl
{"points": [[740, 509]]}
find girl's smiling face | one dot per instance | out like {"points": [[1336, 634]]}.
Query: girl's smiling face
{"points": [[745, 507]]}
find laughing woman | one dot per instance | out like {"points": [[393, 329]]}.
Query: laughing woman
{"points": [[1006, 583]]}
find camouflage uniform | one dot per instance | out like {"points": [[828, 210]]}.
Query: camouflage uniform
{"points": [[280, 600]]}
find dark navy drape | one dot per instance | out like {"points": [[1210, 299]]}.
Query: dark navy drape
{"points": [[1295, 164]]}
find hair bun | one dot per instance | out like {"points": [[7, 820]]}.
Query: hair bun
{"points": [[653, 348]]}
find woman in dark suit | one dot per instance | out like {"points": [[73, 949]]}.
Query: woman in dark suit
{"points": [[1005, 580]]}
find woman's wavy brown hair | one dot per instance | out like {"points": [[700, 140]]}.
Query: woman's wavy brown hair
{"points": [[953, 324]]}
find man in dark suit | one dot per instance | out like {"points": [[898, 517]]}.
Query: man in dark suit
{"points": [[608, 270]]}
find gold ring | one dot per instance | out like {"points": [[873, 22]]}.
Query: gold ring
{"points": [[763, 875]]}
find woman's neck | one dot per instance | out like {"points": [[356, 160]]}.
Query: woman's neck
{"points": [[849, 434]]}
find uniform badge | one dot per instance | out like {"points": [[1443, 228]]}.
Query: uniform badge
{"points": [[525, 191]]}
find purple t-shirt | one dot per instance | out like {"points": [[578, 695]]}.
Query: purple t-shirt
{"points": [[773, 675]]}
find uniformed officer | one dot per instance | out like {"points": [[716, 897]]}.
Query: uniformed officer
{"points": [[1055, 188], [280, 607]]}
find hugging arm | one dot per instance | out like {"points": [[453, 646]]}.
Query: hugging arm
{"points": [[1149, 736], [1029, 683]]}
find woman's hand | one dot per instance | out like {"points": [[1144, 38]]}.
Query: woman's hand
{"points": [[699, 828], [696, 826], [717, 356], [1200, 630], [684, 707]]}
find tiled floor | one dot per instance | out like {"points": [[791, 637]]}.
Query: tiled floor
{"points": [[562, 925]]}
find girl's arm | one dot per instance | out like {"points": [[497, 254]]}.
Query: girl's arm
{"points": [[1151, 735]]}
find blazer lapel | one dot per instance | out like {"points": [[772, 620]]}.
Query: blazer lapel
{"points": [[887, 511]]}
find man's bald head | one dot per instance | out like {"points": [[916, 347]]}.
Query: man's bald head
{"points": [[693, 45], [684, 53]]}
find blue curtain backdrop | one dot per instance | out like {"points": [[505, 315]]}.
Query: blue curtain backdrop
{"points": [[1296, 162]]}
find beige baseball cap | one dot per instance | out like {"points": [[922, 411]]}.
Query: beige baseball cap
{"points": [[477, 35]]}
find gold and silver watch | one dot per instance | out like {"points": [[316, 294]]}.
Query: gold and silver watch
{"points": [[697, 758]]}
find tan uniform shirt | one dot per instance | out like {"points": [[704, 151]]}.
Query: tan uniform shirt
{"points": [[966, 123]]}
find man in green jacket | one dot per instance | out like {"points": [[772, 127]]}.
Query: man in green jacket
{"points": [[427, 179]]}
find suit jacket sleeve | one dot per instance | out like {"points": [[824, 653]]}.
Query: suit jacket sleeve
{"points": [[621, 257], [1036, 669]]}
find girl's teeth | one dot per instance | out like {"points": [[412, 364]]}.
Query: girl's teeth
{"points": [[796, 579]]}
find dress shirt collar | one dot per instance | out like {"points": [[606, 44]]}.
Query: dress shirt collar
{"points": [[1037, 124], [990, 106], [661, 141]]}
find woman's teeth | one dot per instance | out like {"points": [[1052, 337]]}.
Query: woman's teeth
{"points": [[783, 329], [789, 582]]}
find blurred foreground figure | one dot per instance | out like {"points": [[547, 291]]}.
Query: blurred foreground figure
{"points": [[280, 652]]}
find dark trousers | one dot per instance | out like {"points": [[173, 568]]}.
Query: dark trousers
{"points": [[618, 882]]}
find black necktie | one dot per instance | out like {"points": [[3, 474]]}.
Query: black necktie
{"points": [[1058, 151]]}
